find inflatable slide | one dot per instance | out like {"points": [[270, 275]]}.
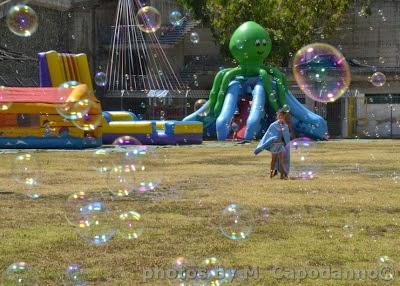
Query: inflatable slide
{"points": [[248, 96]]}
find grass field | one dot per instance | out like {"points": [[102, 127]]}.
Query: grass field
{"points": [[356, 186]]}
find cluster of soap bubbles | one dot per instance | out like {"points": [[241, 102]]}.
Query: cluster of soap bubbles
{"points": [[97, 222], [22, 20], [128, 170], [321, 72], [21, 273], [75, 105], [149, 19]]}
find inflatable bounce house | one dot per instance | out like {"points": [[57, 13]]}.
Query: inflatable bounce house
{"points": [[29, 119], [58, 68], [254, 91]]}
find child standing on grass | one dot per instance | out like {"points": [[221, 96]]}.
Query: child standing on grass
{"points": [[276, 140]]}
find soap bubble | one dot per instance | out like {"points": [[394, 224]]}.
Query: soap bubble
{"points": [[378, 79], [89, 115], [236, 222], [117, 181], [194, 37], [301, 166], [321, 72], [19, 273], [96, 225], [149, 19], [68, 107], [77, 204], [146, 166], [101, 161], [4, 103], [100, 79], [73, 276], [130, 225], [126, 141], [22, 20], [175, 18], [26, 171]]}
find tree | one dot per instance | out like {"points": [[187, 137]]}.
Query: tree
{"points": [[291, 23]]}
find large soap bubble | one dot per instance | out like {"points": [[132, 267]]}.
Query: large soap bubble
{"points": [[79, 203], [69, 108], [130, 225], [26, 169], [101, 161], [27, 172], [321, 72], [236, 222], [301, 153], [97, 225], [22, 20], [117, 181], [146, 166], [149, 19], [89, 118]]}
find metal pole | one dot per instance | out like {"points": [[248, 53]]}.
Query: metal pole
{"points": [[391, 121]]}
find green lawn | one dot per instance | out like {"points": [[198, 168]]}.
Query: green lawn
{"points": [[355, 186]]}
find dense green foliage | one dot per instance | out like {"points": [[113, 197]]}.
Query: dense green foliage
{"points": [[291, 23]]}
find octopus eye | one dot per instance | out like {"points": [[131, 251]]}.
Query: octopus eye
{"points": [[258, 43], [264, 42]]}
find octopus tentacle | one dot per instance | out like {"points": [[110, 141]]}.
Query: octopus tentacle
{"points": [[280, 80], [266, 79], [228, 77], [216, 87]]}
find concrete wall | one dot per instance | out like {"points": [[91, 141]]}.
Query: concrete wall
{"points": [[369, 38]]}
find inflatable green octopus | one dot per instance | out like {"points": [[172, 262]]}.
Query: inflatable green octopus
{"points": [[250, 45]]}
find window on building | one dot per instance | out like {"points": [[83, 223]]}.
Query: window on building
{"points": [[382, 98]]}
